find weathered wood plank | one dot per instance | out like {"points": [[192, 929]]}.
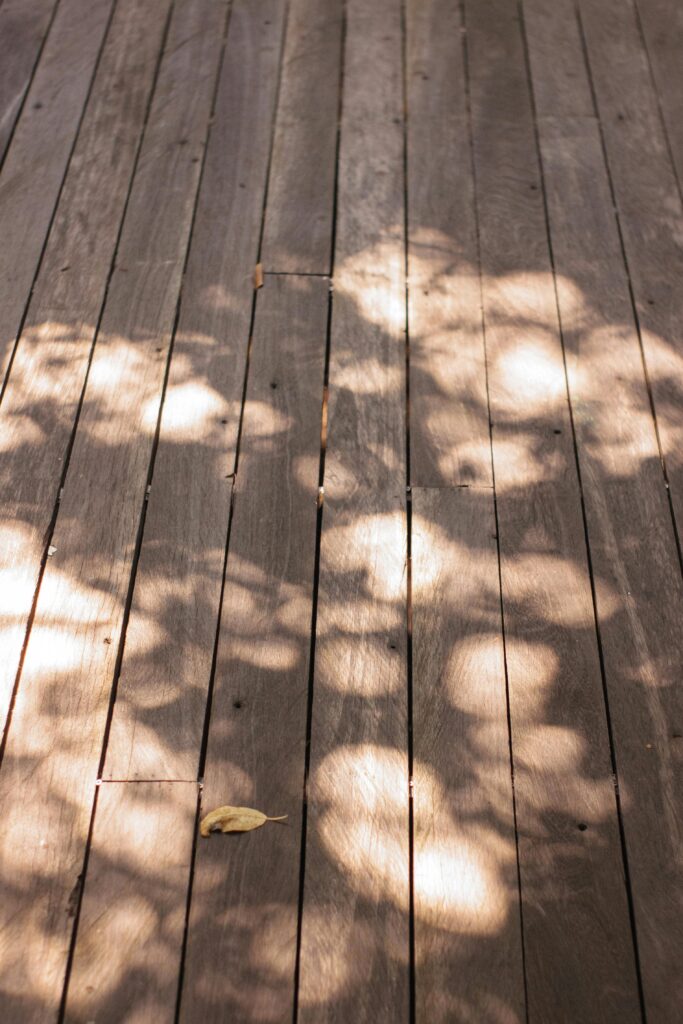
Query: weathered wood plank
{"points": [[161, 699], [468, 950], [449, 437], [355, 929], [56, 733], [578, 944], [130, 930], [662, 26], [23, 27], [298, 226], [41, 401], [34, 169], [243, 926], [632, 544], [648, 201]]}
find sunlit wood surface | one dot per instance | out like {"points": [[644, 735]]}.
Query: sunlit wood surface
{"points": [[389, 545]]}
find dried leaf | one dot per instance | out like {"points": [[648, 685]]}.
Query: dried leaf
{"points": [[258, 275], [234, 819]]}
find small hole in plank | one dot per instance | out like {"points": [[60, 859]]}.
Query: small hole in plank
{"points": [[582, 827], [273, 384], [557, 430], [237, 703]]}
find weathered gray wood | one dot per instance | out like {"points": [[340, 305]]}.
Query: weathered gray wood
{"points": [[355, 941], [130, 930], [662, 26], [449, 437], [574, 898], [632, 545], [41, 401], [34, 169], [648, 201], [56, 732], [161, 699], [560, 84], [468, 950], [629, 522], [23, 27], [299, 218], [242, 936]]}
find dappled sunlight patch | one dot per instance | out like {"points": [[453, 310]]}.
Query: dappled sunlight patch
{"points": [[273, 653], [458, 887], [362, 796], [374, 545], [530, 376], [475, 667], [191, 410], [534, 666], [25, 431], [525, 581]]}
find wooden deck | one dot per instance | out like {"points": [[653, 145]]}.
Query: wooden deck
{"points": [[390, 545]]}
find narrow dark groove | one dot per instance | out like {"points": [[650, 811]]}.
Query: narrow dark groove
{"points": [[20, 108], [480, 269], [72, 438], [188, 900], [79, 903], [584, 517], [409, 527], [631, 290], [43, 249], [318, 531]]}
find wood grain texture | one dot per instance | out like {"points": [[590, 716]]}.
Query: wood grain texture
{"points": [[56, 733], [449, 439], [244, 914], [632, 545], [130, 929], [468, 949], [23, 27], [649, 205], [161, 699], [34, 169], [572, 882], [355, 940], [41, 401], [299, 218], [661, 22]]}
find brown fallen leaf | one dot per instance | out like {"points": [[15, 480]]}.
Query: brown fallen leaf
{"points": [[258, 275], [234, 819]]}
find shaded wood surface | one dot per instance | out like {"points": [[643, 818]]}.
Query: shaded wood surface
{"points": [[161, 700], [257, 730], [394, 552], [132, 916]]}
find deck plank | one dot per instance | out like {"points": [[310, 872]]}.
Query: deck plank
{"points": [[33, 172], [299, 218], [449, 436], [57, 729], [161, 699], [41, 402], [355, 930], [244, 914], [648, 201], [662, 27], [130, 929], [629, 521], [24, 25], [468, 949], [574, 898]]}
